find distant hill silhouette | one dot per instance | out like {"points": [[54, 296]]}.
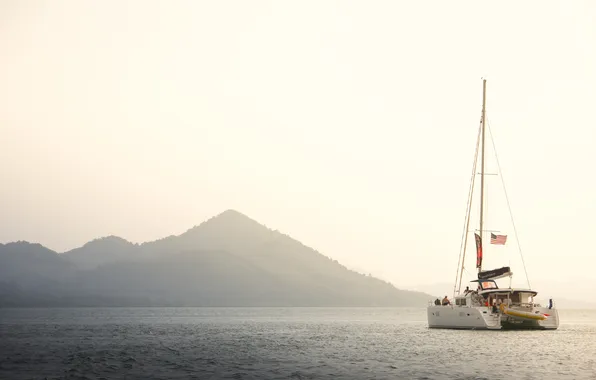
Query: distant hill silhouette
{"points": [[229, 260], [102, 251]]}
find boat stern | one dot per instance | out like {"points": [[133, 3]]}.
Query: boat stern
{"points": [[465, 318], [538, 318], [552, 318]]}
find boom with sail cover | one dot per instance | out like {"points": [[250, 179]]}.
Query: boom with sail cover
{"points": [[494, 274]]}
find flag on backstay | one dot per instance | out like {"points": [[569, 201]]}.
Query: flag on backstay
{"points": [[498, 239]]}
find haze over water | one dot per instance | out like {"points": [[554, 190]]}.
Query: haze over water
{"points": [[349, 125]]}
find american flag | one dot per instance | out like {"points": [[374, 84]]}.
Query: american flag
{"points": [[498, 239]]}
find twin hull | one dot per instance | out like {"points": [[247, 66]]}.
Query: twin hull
{"points": [[482, 318]]}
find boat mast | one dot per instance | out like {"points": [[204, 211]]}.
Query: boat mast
{"points": [[482, 165]]}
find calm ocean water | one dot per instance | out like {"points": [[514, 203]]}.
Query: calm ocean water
{"points": [[284, 343]]}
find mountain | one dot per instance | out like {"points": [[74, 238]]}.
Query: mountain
{"points": [[32, 274], [102, 251], [25, 260], [229, 260]]}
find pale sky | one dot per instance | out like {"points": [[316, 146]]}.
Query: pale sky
{"points": [[349, 125]]}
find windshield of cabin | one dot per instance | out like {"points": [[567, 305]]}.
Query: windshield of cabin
{"points": [[488, 285]]}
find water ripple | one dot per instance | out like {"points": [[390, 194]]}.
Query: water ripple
{"points": [[269, 343]]}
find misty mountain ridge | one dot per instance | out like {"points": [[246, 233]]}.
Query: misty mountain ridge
{"points": [[228, 260], [100, 251], [229, 231]]}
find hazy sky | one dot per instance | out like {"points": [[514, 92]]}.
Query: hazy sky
{"points": [[349, 125]]}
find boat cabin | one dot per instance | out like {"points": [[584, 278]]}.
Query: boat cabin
{"points": [[488, 292], [510, 297]]}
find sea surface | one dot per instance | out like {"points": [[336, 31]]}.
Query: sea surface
{"points": [[282, 343]]}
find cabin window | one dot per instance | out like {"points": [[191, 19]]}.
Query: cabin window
{"points": [[515, 298], [457, 301], [488, 285], [463, 302]]}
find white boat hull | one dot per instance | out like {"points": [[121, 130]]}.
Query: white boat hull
{"points": [[482, 318]]}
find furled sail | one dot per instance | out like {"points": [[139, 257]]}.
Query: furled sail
{"points": [[478, 250]]}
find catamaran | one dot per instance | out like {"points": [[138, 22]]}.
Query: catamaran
{"points": [[483, 304]]}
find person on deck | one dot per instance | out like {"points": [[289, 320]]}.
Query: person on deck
{"points": [[446, 301]]}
